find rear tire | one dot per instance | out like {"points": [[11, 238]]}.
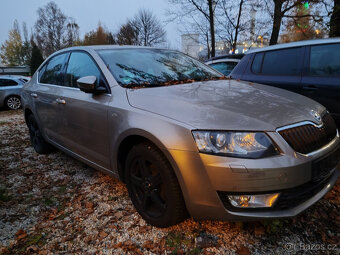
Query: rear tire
{"points": [[37, 140], [153, 186], [13, 102]]}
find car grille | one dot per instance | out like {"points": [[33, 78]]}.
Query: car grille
{"points": [[322, 171], [321, 168], [309, 138]]}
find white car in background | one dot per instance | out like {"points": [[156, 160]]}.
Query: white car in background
{"points": [[10, 91], [225, 63]]}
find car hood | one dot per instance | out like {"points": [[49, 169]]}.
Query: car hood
{"points": [[226, 105]]}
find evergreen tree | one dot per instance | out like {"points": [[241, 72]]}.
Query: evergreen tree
{"points": [[36, 58], [335, 20]]}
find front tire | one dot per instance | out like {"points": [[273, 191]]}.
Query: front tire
{"points": [[37, 140], [153, 186], [13, 102]]}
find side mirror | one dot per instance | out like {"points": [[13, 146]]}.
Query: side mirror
{"points": [[87, 84]]}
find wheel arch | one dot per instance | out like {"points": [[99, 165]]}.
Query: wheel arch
{"points": [[132, 137], [27, 113], [129, 139], [11, 95]]}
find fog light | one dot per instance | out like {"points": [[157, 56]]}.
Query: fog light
{"points": [[254, 201]]}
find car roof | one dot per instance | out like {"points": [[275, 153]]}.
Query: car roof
{"points": [[9, 77], [102, 47], [295, 44], [109, 47], [227, 56], [222, 60]]}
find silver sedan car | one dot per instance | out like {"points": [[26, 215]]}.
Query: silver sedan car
{"points": [[10, 91], [184, 139]]}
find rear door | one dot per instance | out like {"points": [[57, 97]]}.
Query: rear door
{"points": [[45, 96], [85, 125], [321, 79], [279, 68]]}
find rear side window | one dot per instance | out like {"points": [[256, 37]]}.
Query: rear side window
{"points": [[282, 62], [325, 60], [7, 82], [79, 65], [53, 73], [257, 63]]}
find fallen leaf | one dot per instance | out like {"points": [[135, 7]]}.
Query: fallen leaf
{"points": [[243, 251], [102, 235], [259, 230]]}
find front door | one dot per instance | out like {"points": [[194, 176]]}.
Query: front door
{"points": [[85, 125]]}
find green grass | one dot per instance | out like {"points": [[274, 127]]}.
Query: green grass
{"points": [[50, 201], [181, 243], [174, 239], [62, 189], [273, 226], [4, 197]]}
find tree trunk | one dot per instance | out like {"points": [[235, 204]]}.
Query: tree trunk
{"points": [[237, 26], [276, 22], [335, 20], [212, 27]]}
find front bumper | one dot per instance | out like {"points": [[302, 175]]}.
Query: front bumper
{"points": [[207, 180]]}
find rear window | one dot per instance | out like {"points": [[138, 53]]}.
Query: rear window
{"points": [[325, 60], [278, 62]]}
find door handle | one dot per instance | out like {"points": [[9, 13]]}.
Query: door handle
{"points": [[310, 87], [34, 95], [60, 101]]}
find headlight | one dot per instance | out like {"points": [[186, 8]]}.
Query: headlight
{"points": [[235, 144]]}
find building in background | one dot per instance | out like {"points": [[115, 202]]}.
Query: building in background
{"points": [[191, 45], [15, 70]]}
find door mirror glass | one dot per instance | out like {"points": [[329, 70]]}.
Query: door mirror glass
{"points": [[87, 84]]}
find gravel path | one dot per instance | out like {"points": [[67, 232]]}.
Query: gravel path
{"points": [[57, 205]]}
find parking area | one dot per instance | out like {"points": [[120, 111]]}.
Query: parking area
{"points": [[54, 204]]}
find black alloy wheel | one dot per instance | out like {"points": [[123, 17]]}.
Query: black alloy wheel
{"points": [[153, 186]]}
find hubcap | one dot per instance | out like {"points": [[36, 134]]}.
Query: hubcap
{"points": [[148, 187], [13, 103]]}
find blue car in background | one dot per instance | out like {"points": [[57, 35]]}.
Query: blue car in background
{"points": [[310, 68], [10, 91]]}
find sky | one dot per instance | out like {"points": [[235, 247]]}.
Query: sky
{"points": [[87, 13]]}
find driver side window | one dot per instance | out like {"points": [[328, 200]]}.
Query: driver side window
{"points": [[79, 65]]}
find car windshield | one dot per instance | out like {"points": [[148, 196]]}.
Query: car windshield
{"points": [[140, 68]]}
